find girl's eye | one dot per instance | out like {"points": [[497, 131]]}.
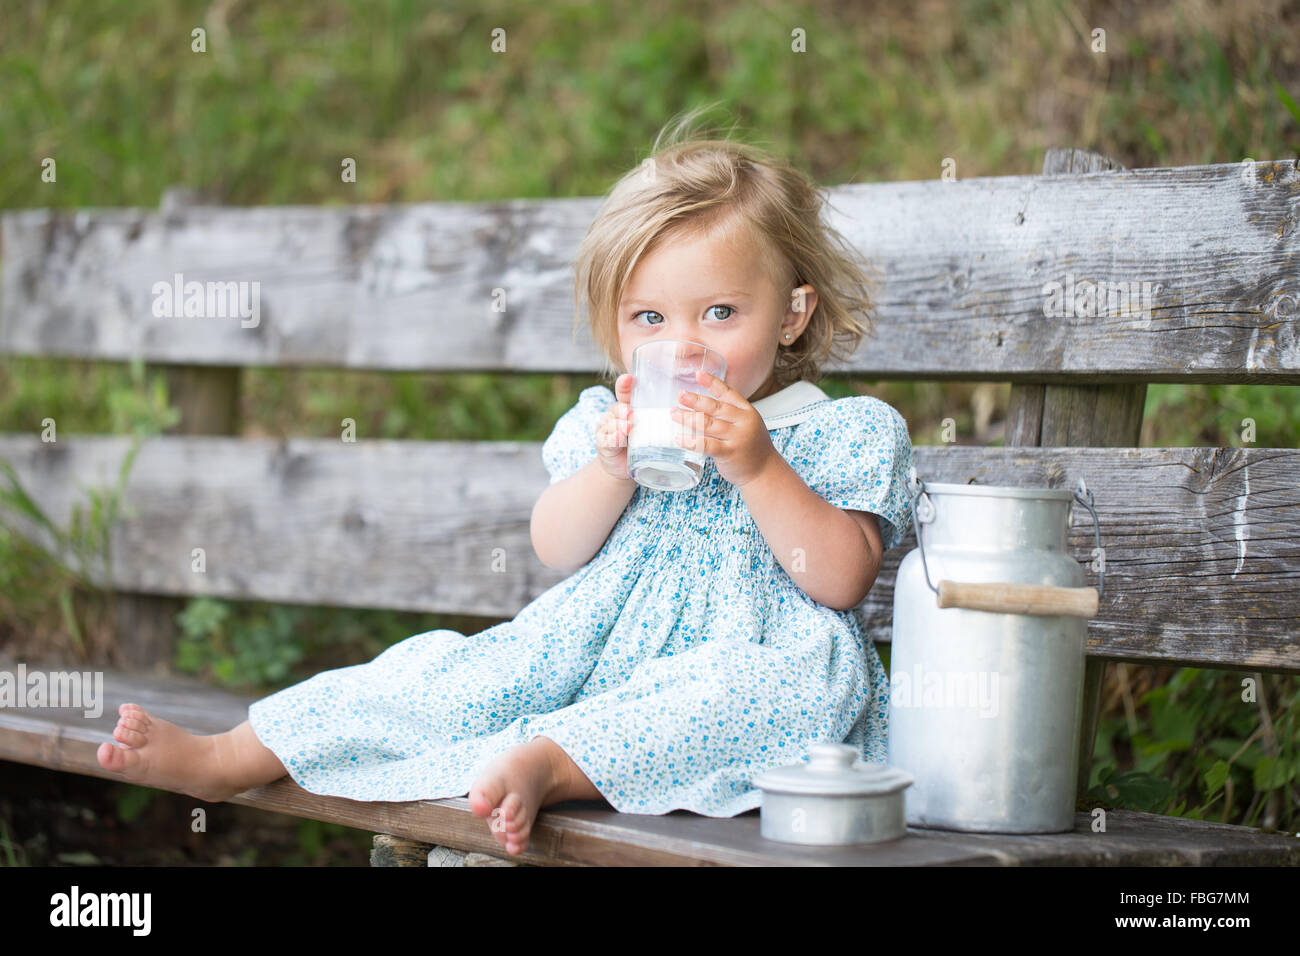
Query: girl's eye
{"points": [[730, 312]]}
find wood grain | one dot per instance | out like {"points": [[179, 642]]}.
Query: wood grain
{"points": [[1018, 598], [453, 286], [1056, 414], [591, 833], [1202, 544]]}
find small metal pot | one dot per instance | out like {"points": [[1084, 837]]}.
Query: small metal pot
{"points": [[833, 798]]}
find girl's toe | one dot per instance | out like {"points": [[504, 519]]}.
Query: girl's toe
{"points": [[117, 759], [512, 805], [478, 802], [107, 757]]}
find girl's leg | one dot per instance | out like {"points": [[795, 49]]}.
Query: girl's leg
{"points": [[244, 761], [214, 768], [575, 784]]}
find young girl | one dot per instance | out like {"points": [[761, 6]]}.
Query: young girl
{"points": [[703, 636]]}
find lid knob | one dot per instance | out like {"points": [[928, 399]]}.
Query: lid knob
{"points": [[827, 757]]}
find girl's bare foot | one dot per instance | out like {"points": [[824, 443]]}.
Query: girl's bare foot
{"points": [[514, 786], [160, 754]]}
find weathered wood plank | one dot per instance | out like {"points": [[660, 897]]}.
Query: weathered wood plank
{"points": [[966, 266], [591, 833], [1059, 161], [1202, 544], [388, 850], [1088, 415], [208, 400]]}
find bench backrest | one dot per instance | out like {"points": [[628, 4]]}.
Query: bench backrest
{"points": [[1193, 277]]}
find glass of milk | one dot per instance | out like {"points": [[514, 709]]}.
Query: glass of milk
{"points": [[661, 370]]}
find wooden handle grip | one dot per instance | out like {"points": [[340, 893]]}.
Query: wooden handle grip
{"points": [[1019, 598]]}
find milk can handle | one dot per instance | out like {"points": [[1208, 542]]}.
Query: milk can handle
{"points": [[1010, 598]]}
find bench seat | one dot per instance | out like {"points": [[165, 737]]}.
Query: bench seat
{"points": [[589, 832]]}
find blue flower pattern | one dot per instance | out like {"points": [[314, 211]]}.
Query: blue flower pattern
{"points": [[676, 665]]}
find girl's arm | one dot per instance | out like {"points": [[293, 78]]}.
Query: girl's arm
{"points": [[826, 551], [573, 517]]}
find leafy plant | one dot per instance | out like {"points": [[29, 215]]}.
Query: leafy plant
{"points": [[249, 645], [1131, 790], [10, 858], [1203, 747], [315, 838], [43, 565], [133, 801], [41, 574], [260, 650]]}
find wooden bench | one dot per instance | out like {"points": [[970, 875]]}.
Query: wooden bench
{"points": [[1201, 543]]}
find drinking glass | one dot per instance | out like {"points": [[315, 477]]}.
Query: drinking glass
{"points": [[662, 369]]}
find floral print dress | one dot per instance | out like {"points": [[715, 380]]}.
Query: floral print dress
{"points": [[673, 667]]}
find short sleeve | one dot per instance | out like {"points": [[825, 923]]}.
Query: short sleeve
{"points": [[856, 453], [572, 442]]}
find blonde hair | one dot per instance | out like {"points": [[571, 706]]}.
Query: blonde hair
{"points": [[692, 185]]}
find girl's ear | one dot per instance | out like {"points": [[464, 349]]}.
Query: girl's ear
{"points": [[803, 301]]}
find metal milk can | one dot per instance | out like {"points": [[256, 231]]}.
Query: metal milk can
{"points": [[987, 658]]}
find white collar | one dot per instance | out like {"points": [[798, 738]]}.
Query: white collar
{"points": [[791, 405]]}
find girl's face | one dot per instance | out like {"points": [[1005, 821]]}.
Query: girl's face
{"points": [[717, 291]]}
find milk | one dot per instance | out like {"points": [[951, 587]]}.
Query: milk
{"points": [[654, 458], [653, 427]]}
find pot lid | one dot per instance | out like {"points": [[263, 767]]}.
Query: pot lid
{"points": [[834, 769]]}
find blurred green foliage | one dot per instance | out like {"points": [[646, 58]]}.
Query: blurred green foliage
{"points": [[1211, 745], [414, 93], [252, 646], [45, 565], [13, 852], [131, 801]]}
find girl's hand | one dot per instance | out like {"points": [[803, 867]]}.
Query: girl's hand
{"points": [[612, 430], [724, 426]]}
